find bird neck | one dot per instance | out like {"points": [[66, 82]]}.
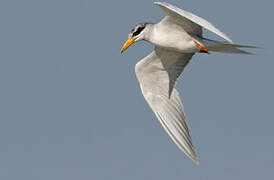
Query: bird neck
{"points": [[148, 31]]}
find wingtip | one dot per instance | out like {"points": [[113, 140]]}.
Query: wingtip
{"points": [[225, 37], [159, 3], [194, 158], [196, 161]]}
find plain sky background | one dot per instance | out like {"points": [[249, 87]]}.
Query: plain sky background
{"points": [[71, 107]]}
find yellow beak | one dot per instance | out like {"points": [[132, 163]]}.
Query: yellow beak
{"points": [[128, 43]]}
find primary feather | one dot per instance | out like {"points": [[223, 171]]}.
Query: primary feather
{"points": [[157, 74], [171, 10]]}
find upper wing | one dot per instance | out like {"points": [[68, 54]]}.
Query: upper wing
{"points": [[157, 74], [191, 19]]}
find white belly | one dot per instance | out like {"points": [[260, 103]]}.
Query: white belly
{"points": [[173, 38]]}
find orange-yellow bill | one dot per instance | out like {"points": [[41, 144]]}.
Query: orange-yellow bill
{"points": [[128, 43]]}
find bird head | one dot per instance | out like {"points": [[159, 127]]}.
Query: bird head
{"points": [[136, 34]]}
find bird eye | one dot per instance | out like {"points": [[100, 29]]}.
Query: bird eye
{"points": [[138, 31]]}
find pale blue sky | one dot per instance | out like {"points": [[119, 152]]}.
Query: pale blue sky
{"points": [[71, 107]]}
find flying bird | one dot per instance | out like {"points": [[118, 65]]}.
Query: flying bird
{"points": [[177, 37]]}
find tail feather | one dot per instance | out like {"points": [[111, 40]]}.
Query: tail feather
{"points": [[225, 47], [228, 48]]}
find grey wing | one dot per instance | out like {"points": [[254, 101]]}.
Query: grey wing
{"points": [[157, 74], [190, 20]]}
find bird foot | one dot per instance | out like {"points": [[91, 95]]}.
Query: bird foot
{"points": [[202, 48]]}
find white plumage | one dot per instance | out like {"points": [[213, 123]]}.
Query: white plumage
{"points": [[177, 37]]}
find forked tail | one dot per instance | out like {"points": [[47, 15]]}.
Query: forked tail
{"points": [[225, 47]]}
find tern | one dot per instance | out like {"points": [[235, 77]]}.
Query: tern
{"points": [[177, 37]]}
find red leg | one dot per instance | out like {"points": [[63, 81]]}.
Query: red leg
{"points": [[201, 47]]}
